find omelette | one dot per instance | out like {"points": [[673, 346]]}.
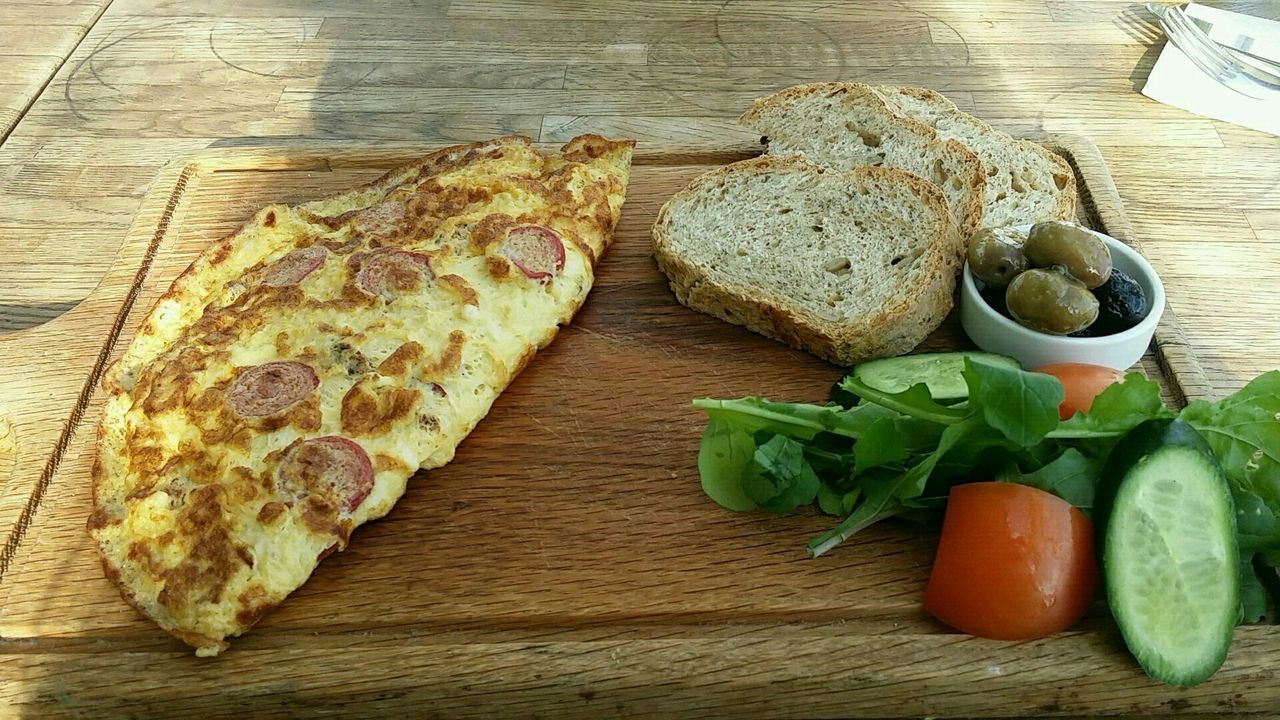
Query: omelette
{"points": [[292, 379]]}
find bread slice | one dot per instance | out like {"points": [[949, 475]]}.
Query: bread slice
{"points": [[849, 265], [844, 125], [1025, 182]]}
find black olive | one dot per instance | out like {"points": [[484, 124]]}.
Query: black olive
{"points": [[1122, 304], [995, 298]]}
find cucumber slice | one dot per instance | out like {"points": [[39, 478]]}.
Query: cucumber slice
{"points": [[1169, 552], [942, 372]]}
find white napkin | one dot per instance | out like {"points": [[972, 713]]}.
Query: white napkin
{"points": [[1176, 81]]}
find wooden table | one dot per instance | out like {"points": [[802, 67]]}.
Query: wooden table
{"points": [[96, 96], [152, 81]]}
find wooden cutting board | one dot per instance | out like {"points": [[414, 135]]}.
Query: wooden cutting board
{"points": [[566, 564]]}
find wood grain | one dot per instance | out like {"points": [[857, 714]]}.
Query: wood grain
{"points": [[38, 37], [98, 97], [569, 529], [153, 81], [830, 673]]}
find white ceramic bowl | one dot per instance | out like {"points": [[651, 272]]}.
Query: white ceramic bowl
{"points": [[996, 333]]}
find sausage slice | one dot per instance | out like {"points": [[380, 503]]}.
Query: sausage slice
{"points": [[536, 250], [388, 273], [332, 467], [268, 389], [292, 268]]}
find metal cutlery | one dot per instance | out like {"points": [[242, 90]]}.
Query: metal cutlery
{"points": [[1246, 78]]}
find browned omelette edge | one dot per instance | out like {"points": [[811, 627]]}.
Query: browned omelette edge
{"points": [[582, 148]]}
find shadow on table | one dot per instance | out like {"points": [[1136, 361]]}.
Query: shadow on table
{"points": [[17, 316], [1140, 25]]}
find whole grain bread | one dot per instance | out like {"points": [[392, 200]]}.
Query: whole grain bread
{"points": [[845, 125], [1025, 182], [849, 265]]}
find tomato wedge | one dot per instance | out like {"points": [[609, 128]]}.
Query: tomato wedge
{"points": [[1081, 383], [1013, 563]]}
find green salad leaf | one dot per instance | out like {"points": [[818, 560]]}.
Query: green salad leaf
{"points": [[1072, 476], [780, 478], [1253, 597], [880, 445], [915, 401], [1244, 432], [1258, 532], [1117, 410], [898, 454], [1023, 406], [723, 461], [881, 454], [1257, 526], [889, 496], [834, 502], [796, 420]]}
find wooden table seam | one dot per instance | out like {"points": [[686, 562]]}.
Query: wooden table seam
{"points": [[31, 101]]}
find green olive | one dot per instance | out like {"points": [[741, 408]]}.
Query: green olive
{"points": [[995, 256], [1077, 250], [1051, 302]]}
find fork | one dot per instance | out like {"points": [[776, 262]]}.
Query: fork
{"points": [[1266, 65], [1244, 78]]}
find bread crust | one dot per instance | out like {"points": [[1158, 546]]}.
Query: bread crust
{"points": [[969, 219], [894, 329], [1064, 177]]}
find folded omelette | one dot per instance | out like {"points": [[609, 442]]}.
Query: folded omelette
{"points": [[288, 384]]}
